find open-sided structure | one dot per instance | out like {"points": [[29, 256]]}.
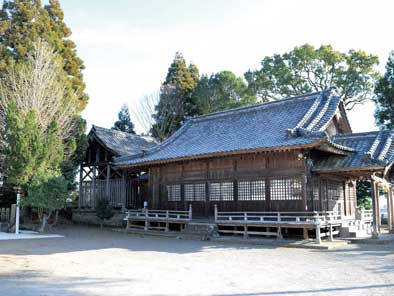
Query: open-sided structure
{"points": [[282, 164], [98, 176]]}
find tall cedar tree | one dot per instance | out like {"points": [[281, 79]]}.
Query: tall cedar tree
{"points": [[175, 98], [33, 162], [24, 150], [22, 22], [306, 69], [384, 91], [124, 123]]}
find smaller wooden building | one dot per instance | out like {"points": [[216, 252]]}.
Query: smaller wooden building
{"points": [[99, 178]]}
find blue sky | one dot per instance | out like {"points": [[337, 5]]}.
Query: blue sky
{"points": [[128, 45]]}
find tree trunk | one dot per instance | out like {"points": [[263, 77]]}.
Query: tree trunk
{"points": [[56, 218], [43, 223]]}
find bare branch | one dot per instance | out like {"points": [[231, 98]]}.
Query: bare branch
{"points": [[40, 85]]}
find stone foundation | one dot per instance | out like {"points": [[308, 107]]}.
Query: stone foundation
{"points": [[89, 217]]}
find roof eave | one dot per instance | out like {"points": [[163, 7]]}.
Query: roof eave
{"points": [[220, 154], [94, 134], [350, 169]]}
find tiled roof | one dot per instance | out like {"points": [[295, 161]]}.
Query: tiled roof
{"points": [[294, 121], [372, 149], [122, 143]]}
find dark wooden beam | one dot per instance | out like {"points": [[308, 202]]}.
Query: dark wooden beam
{"points": [[375, 232], [80, 200]]}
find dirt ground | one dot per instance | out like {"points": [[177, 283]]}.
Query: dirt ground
{"points": [[88, 261]]}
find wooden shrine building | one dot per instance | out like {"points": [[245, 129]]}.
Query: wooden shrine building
{"points": [[296, 155], [98, 176]]}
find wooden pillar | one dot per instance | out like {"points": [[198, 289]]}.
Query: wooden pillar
{"points": [[93, 202], [94, 190], [124, 191], [321, 194], [390, 209], [375, 231], [235, 182], [207, 204], [304, 193], [379, 224], [107, 193], [80, 200], [305, 233]]}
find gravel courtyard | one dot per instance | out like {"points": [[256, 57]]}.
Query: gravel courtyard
{"points": [[93, 262]]}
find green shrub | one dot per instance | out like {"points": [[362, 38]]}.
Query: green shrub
{"points": [[103, 210]]}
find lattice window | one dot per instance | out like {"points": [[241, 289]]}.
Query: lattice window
{"points": [[174, 192], [334, 190], [221, 191], [286, 189], [316, 191], [195, 192], [251, 190]]}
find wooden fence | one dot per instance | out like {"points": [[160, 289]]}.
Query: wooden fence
{"points": [[364, 215], [5, 215], [120, 193]]}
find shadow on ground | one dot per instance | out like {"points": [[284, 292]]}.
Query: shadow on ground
{"points": [[33, 283], [312, 292], [85, 238]]}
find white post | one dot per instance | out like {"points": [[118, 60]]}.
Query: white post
{"points": [[18, 198], [146, 220], [331, 235]]}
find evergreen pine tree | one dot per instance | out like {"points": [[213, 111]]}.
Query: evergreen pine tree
{"points": [[384, 91], [22, 23], [24, 150], [124, 122], [175, 98]]}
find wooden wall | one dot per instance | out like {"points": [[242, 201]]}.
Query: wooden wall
{"points": [[259, 166]]}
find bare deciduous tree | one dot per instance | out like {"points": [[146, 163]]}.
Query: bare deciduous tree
{"points": [[144, 113], [40, 85], [144, 110]]}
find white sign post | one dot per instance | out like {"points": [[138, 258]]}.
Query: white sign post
{"points": [[18, 199]]}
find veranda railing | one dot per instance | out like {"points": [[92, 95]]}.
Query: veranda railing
{"points": [[159, 216], [277, 217]]}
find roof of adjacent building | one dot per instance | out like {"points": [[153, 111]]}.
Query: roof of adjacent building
{"points": [[121, 143], [287, 123], [371, 150]]}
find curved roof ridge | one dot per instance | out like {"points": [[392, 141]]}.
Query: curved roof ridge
{"points": [[339, 146], [320, 114], [121, 143], [375, 144], [356, 135], [386, 147], [252, 107], [326, 119], [146, 137], [311, 110]]}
